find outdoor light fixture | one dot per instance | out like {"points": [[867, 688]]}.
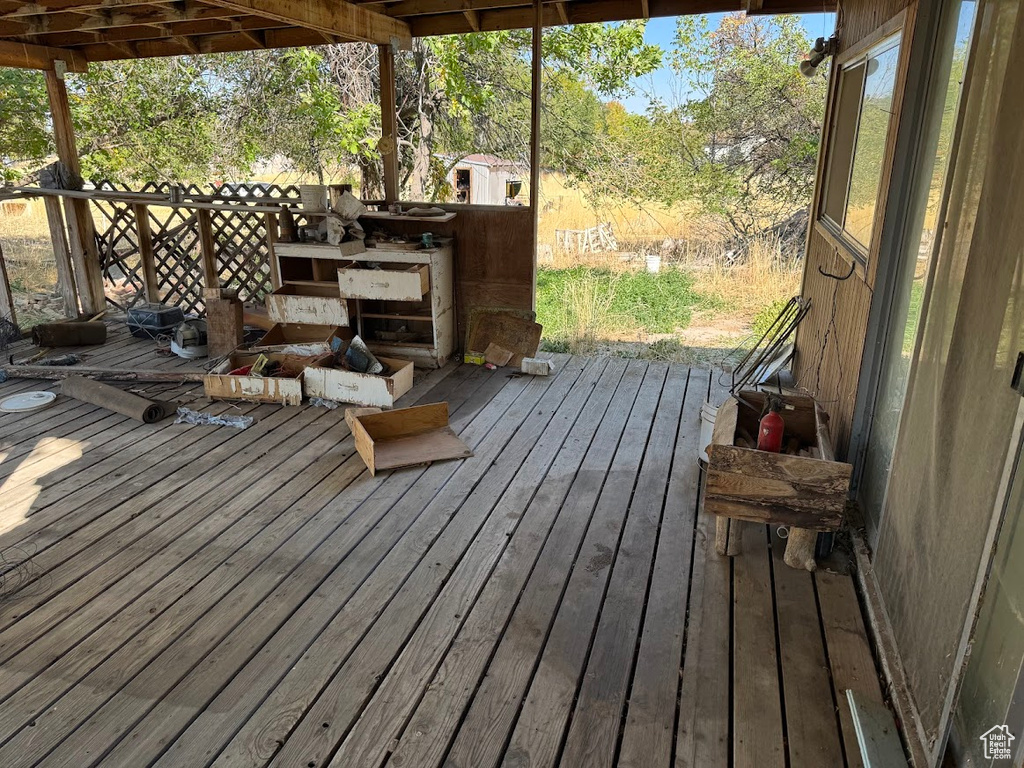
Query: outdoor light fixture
{"points": [[822, 49]]}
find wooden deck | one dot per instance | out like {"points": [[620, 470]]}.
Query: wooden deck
{"points": [[188, 596]]}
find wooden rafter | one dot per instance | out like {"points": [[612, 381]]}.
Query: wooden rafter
{"points": [[192, 29], [42, 24], [473, 18], [25, 56], [335, 17], [405, 8], [563, 12], [15, 9], [287, 37]]}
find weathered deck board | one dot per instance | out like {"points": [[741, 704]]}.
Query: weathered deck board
{"points": [[205, 596]]}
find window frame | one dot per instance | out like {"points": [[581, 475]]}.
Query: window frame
{"points": [[863, 260]]}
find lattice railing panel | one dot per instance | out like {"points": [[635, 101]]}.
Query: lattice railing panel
{"points": [[243, 259]]}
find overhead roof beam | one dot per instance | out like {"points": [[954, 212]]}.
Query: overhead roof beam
{"points": [[74, 22], [191, 29], [24, 56], [333, 17], [14, 9]]}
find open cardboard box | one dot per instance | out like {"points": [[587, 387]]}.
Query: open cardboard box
{"points": [[406, 437], [778, 488], [322, 380], [283, 335], [286, 390]]}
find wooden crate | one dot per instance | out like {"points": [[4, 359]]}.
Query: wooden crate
{"points": [[283, 335], [747, 484], [286, 391], [392, 282], [308, 303], [360, 388], [406, 437]]}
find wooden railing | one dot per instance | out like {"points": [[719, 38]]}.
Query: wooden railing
{"points": [[153, 249]]}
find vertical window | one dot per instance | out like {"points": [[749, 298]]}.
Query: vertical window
{"points": [[856, 152]]}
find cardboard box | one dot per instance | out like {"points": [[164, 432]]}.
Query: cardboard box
{"points": [[219, 385], [406, 437], [283, 335], [776, 488], [360, 388]]}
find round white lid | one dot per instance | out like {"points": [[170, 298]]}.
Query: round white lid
{"points": [[27, 401]]}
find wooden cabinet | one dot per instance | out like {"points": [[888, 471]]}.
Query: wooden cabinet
{"points": [[399, 300]]}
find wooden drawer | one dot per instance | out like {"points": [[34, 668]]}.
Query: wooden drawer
{"points": [[392, 282], [308, 303], [360, 388], [286, 390]]}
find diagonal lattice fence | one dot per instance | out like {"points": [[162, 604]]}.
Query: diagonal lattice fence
{"points": [[240, 245]]}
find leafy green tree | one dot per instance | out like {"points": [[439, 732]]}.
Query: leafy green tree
{"points": [[24, 130], [150, 119], [755, 119]]}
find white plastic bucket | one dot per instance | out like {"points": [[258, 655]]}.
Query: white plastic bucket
{"points": [[708, 412], [653, 263]]}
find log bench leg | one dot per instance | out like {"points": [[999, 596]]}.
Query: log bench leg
{"points": [[727, 536], [800, 549]]}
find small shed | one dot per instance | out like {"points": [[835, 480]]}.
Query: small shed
{"points": [[487, 180]]}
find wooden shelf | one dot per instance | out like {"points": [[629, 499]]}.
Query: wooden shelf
{"points": [[385, 216], [383, 316]]}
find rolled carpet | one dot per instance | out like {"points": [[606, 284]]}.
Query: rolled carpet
{"points": [[116, 400], [69, 334]]}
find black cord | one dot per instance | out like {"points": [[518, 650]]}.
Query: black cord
{"points": [[840, 278]]}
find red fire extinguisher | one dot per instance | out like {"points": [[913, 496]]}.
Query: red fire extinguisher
{"points": [[769, 434]]}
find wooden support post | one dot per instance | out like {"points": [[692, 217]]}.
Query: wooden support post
{"points": [[211, 279], [6, 300], [146, 254], [62, 256], [389, 123], [535, 85], [81, 230], [270, 224]]}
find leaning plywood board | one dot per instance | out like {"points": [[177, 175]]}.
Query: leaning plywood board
{"points": [[506, 329], [360, 388], [748, 484], [407, 437]]}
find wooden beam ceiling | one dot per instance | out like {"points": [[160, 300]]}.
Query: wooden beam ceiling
{"points": [[102, 30], [333, 17]]}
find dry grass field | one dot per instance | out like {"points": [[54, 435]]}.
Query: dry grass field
{"points": [[697, 304]]}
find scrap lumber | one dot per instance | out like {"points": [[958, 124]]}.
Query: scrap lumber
{"points": [[52, 373]]}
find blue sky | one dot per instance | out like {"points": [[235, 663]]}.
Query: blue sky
{"points": [[664, 83]]}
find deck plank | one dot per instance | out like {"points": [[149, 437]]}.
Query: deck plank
{"points": [[597, 715], [757, 700], [537, 737], [198, 596], [849, 653], [647, 739], [270, 693], [509, 666], [812, 730], [428, 603]]}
